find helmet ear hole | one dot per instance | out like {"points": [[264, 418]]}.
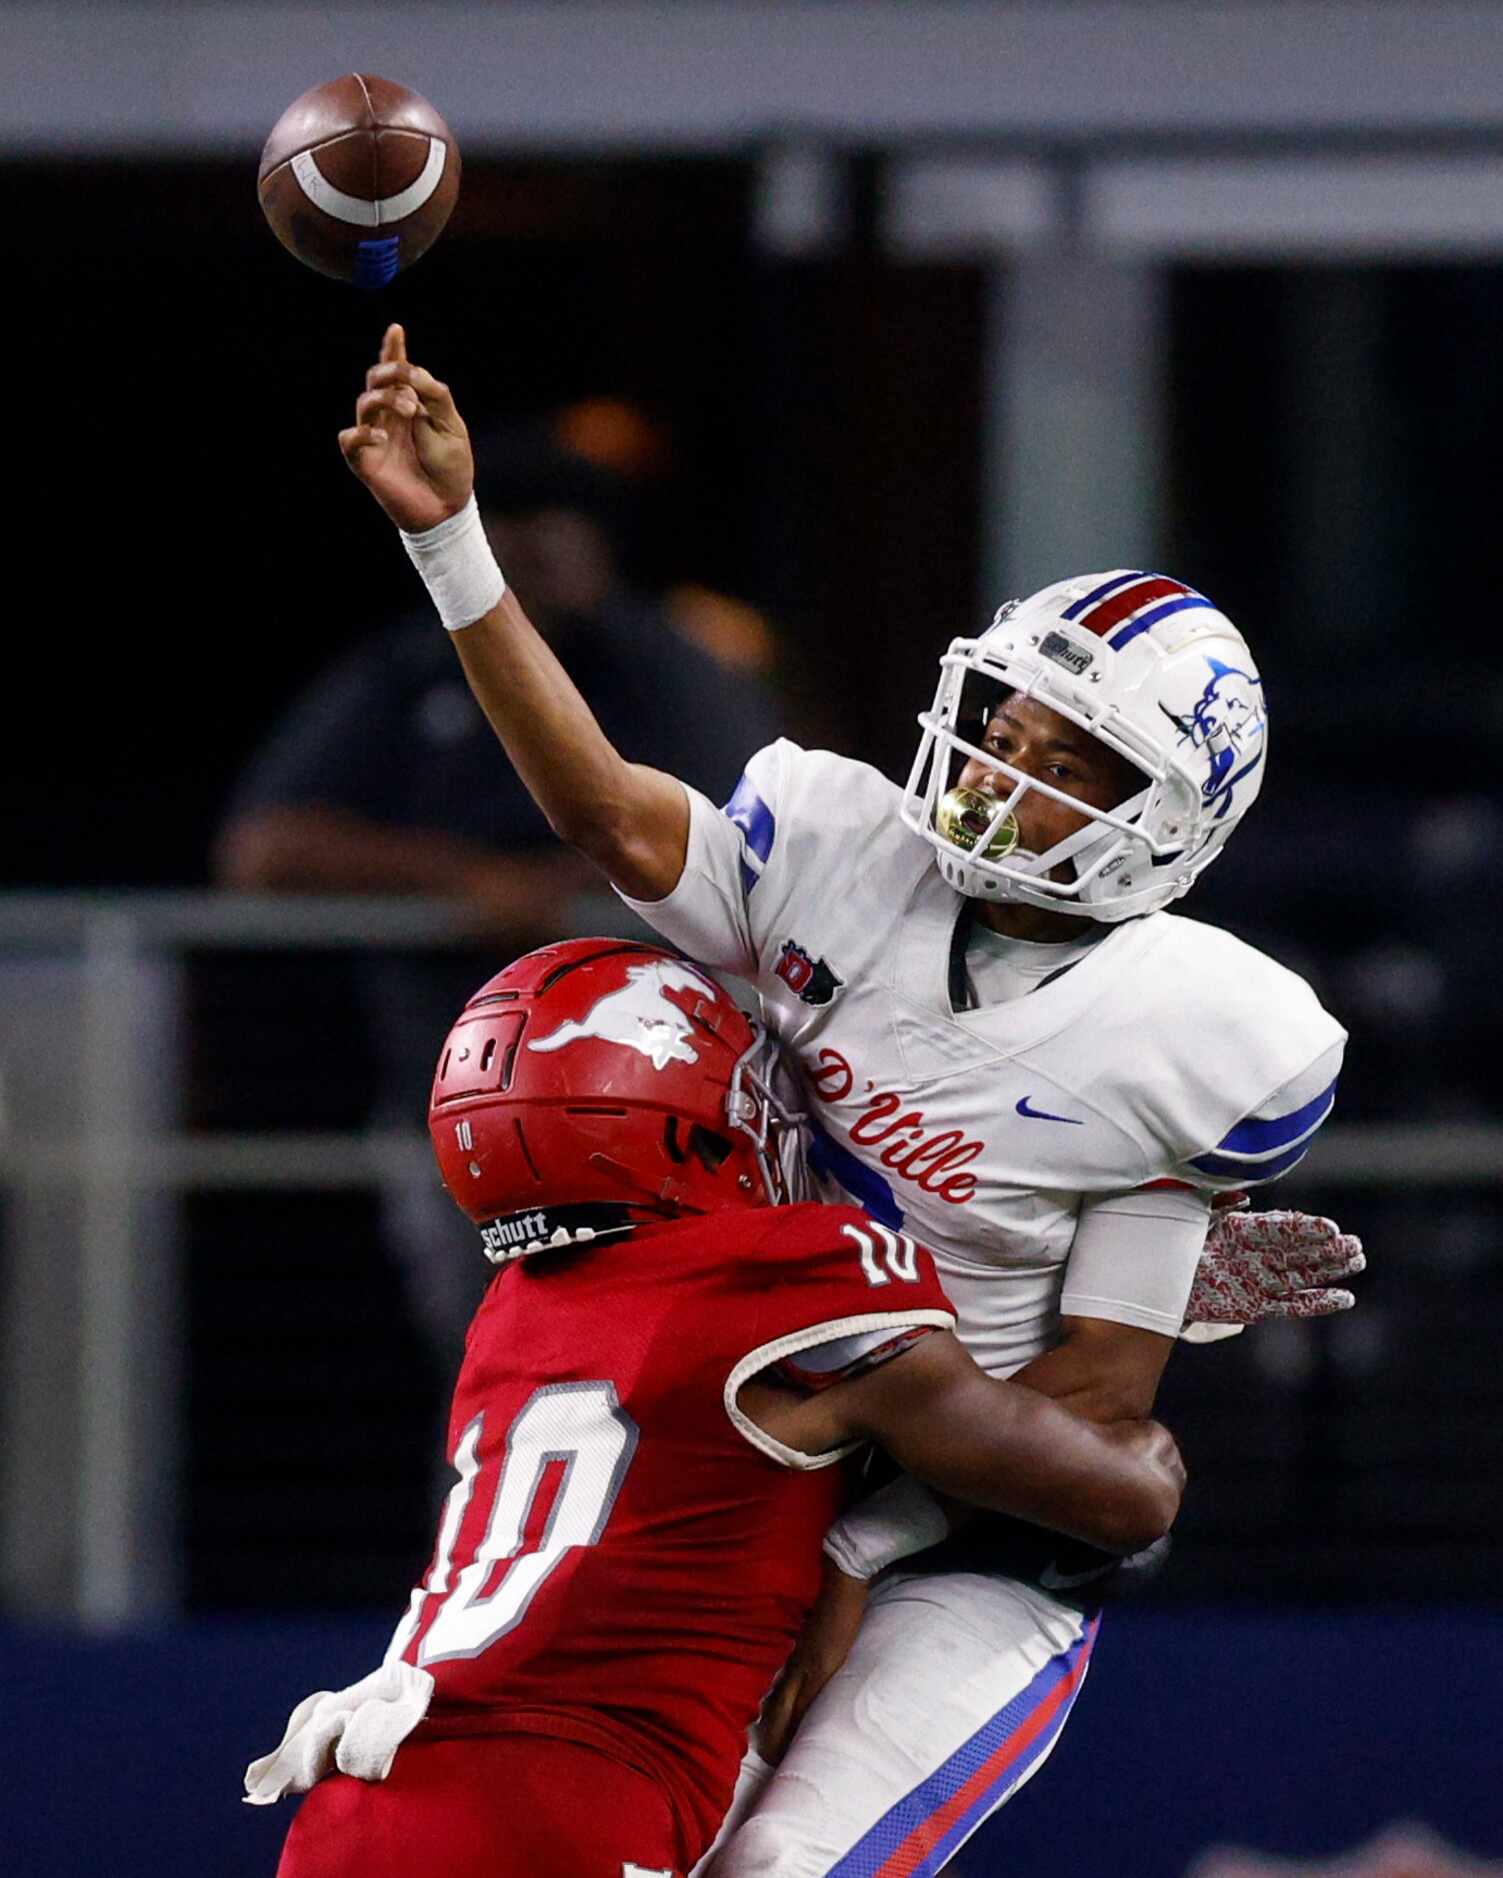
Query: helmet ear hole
{"points": [[710, 1149], [707, 1147]]}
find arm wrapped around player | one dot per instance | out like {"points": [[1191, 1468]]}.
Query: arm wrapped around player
{"points": [[1068, 1569]]}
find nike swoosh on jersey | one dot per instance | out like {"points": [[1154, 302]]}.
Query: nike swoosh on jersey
{"points": [[1053, 1580], [1043, 1115]]}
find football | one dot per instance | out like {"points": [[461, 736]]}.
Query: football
{"points": [[358, 178]]}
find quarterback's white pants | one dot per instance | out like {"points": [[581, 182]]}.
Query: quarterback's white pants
{"points": [[956, 1689]]}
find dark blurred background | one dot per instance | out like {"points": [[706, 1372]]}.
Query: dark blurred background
{"points": [[1241, 325]]}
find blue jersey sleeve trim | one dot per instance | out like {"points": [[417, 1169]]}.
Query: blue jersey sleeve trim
{"points": [[758, 826], [1250, 1171], [1263, 1137]]}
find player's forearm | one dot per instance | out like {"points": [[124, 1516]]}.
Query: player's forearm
{"points": [[1116, 1487], [1094, 1397], [1013, 1451], [410, 448], [1101, 1371], [633, 822]]}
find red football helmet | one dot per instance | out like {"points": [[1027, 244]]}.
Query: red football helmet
{"points": [[600, 1083]]}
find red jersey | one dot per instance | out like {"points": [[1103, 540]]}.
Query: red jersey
{"points": [[625, 1559]]}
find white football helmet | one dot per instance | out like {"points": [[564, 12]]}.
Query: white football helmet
{"points": [[1151, 668]]}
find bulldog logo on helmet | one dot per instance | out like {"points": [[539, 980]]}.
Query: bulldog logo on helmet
{"points": [[640, 1015], [1227, 724]]}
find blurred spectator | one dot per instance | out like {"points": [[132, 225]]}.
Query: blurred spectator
{"points": [[385, 778], [622, 439]]}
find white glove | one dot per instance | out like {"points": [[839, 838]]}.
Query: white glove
{"points": [[356, 1730], [1260, 1265]]}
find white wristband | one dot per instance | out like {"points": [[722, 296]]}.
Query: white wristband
{"points": [[457, 567], [1209, 1333], [898, 1520]]}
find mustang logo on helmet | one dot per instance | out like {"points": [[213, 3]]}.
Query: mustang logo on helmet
{"points": [[640, 1015]]}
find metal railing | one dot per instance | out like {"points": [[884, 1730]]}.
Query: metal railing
{"points": [[93, 1158]]}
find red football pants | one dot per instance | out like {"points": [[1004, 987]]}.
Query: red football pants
{"points": [[486, 1806]]}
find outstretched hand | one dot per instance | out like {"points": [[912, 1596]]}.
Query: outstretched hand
{"points": [[1277, 1264], [408, 444], [823, 1645]]}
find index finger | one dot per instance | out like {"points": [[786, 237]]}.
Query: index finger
{"points": [[394, 346]]}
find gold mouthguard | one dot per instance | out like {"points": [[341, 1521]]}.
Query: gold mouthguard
{"points": [[962, 817]]}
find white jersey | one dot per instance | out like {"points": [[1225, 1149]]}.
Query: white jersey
{"points": [[1170, 1052]]}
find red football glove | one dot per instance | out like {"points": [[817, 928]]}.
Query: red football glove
{"points": [[1260, 1265]]}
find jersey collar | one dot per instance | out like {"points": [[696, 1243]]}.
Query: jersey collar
{"points": [[932, 937]]}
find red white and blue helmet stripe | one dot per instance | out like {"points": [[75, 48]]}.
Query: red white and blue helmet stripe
{"points": [[1129, 604]]}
